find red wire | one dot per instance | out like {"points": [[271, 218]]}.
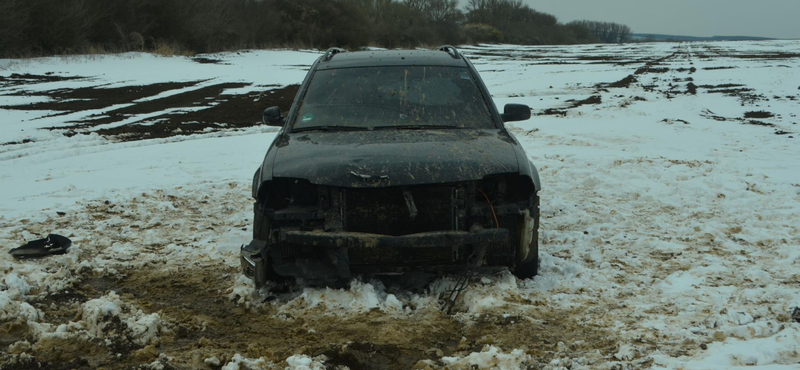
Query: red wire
{"points": [[496, 224]]}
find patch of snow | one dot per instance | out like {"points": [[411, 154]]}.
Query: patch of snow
{"points": [[240, 362], [303, 362], [490, 357]]}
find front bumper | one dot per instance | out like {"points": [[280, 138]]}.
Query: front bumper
{"points": [[320, 255], [421, 240]]}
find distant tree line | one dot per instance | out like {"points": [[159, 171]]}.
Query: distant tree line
{"points": [[42, 27], [605, 31]]}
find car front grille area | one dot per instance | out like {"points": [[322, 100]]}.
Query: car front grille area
{"points": [[388, 256], [386, 210]]}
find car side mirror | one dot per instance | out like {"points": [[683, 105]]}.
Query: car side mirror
{"points": [[272, 117], [515, 112]]}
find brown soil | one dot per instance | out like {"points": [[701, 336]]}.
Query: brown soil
{"points": [[649, 69], [203, 96], [370, 340], [778, 55], [553, 112], [202, 60], [208, 324], [221, 112], [231, 111], [730, 91], [201, 320], [27, 79], [625, 82], [95, 97], [18, 142], [758, 114], [722, 86], [594, 99], [598, 58], [757, 123]]}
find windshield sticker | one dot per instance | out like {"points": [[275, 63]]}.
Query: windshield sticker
{"points": [[308, 117], [465, 76]]}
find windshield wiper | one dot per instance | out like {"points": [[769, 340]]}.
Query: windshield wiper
{"points": [[413, 127], [329, 128]]}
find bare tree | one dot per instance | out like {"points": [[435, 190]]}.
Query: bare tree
{"points": [[436, 11], [13, 16], [605, 31]]}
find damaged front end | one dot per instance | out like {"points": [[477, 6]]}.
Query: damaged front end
{"points": [[327, 233]]}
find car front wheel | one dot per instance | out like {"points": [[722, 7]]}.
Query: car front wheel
{"points": [[529, 266]]}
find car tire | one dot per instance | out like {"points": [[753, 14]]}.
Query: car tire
{"points": [[261, 231], [530, 268], [527, 270]]}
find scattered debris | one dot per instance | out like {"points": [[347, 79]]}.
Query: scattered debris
{"points": [[691, 88], [53, 244]]}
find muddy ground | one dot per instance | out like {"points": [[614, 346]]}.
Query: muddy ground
{"points": [[199, 109], [202, 317]]}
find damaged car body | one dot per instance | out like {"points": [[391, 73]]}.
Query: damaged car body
{"points": [[388, 162]]}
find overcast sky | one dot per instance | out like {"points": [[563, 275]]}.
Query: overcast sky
{"points": [[765, 18]]}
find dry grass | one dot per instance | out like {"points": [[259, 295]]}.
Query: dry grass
{"points": [[166, 49]]}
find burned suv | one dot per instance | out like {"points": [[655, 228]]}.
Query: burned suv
{"points": [[392, 161]]}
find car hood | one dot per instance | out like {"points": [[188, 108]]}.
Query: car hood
{"points": [[380, 158]]}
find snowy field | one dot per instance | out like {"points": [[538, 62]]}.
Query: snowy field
{"points": [[670, 231]]}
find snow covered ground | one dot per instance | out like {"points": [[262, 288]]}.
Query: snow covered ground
{"points": [[670, 233]]}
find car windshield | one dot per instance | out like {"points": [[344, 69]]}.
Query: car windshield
{"points": [[393, 97]]}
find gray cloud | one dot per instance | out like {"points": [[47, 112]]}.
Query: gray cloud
{"points": [[765, 18]]}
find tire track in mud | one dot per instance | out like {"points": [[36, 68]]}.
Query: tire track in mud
{"points": [[652, 65]]}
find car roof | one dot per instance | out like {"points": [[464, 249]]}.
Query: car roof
{"points": [[381, 58]]}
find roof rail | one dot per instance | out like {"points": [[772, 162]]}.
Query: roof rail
{"points": [[331, 52], [450, 49]]}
